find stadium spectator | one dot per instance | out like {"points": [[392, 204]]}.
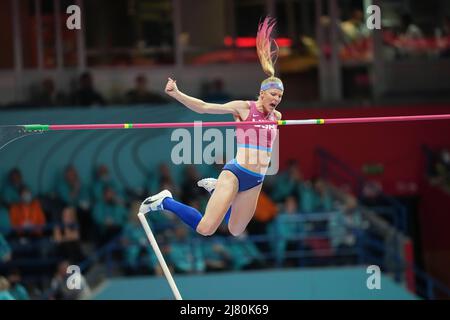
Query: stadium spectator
{"points": [[5, 250], [60, 289], [266, 210], [217, 256], [102, 179], [285, 234], [4, 289], [27, 216], [17, 289], [66, 234], [162, 179], [47, 95], [140, 94], [189, 185], [354, 28], [11, 191], [325, 200], [5, 222], [109, 216], [287, 181], [343, 227], [409, 29], [186, 255], [72, 191], [214, 91], [442, 166], [308, 197], [409, 34], [138, 255], [245, 254], [372, 194], [87, 95]]}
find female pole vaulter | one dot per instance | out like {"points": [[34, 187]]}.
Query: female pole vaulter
{"points": [[235, 193]]}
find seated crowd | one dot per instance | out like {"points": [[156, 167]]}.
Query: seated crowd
{"points": [[42, 234]]}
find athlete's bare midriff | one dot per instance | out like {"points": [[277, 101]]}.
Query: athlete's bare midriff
{"points": [[254, 160]]}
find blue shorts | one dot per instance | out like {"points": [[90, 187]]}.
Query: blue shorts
{"points": [[247, 179]]}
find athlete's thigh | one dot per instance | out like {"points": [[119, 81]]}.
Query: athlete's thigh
{"points": [[220, 201], [243, 207]]}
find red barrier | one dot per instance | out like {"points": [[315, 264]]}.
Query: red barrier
{"points": [[394, 146]]}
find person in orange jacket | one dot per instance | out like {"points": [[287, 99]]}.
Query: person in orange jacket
{"points": [[27, 215]]}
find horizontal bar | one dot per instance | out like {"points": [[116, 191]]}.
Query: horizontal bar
{"points": [[57, 127]]}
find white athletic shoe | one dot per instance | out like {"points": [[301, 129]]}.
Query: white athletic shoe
{"points": [[154, 203], [208, 183]]}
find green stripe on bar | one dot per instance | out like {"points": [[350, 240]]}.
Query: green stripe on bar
{"points": [[128, 125], [281, 122], [320, 121], [37, 127]]}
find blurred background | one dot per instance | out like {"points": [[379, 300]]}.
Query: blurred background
{"points": [[346, 196]]}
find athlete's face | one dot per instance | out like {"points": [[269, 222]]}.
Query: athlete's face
{"points": [[270, 99]]}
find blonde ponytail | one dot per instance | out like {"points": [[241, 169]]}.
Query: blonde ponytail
{"points": [[266, 56]]}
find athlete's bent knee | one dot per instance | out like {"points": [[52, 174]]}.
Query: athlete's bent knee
{"points": [[206, 229], [236, 231]]}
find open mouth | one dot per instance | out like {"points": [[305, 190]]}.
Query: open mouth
{"points": [[273, 105]]}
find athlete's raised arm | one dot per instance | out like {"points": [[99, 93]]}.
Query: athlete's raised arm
{"points": [[235, 107]]}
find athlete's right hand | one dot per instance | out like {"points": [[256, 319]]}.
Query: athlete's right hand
{"points": [[171, 87]]}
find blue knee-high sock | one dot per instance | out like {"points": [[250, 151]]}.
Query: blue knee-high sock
{"points": [[187, 214], [227, 215]]}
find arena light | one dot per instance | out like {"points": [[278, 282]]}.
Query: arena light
{"points": [[250, 42]]}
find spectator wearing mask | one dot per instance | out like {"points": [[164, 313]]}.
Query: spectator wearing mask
{"points": [[27, 216]]}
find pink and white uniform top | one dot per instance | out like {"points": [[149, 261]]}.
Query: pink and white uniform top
{"points": [[256, 136]]}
